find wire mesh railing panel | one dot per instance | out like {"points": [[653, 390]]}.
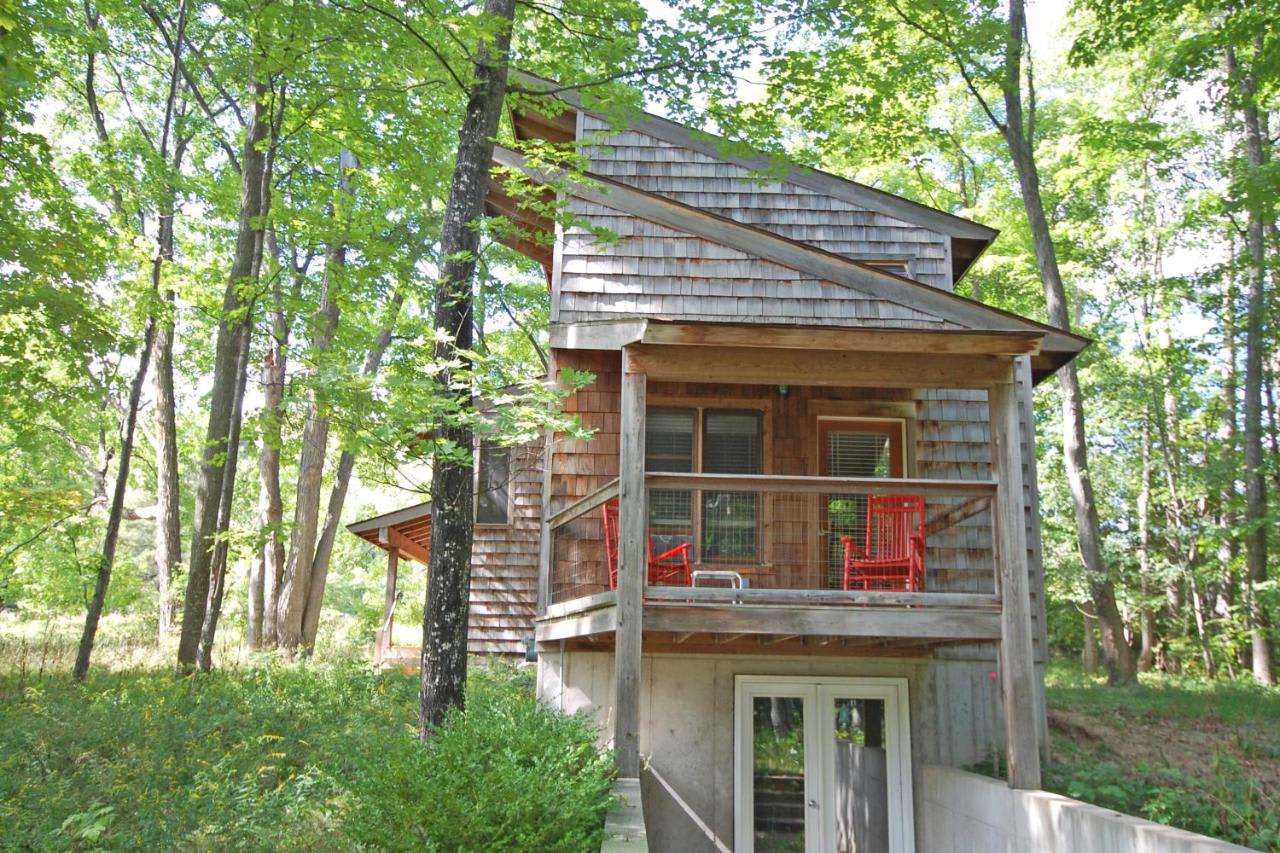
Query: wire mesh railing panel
{"points": [[579, 558]]}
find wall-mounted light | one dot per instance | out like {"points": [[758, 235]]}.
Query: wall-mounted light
{"points": [[784, 390]]}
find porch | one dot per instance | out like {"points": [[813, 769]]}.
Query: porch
{"points": [[766, 560], [750, 459]]}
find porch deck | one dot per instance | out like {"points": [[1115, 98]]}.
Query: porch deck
{"points": [[785, 563]]}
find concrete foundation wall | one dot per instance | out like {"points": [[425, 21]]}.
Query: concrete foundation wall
{"points": [[959, 812], [686, 718]]}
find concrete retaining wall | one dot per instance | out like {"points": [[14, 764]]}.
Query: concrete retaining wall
{"points": [[960, 812]]}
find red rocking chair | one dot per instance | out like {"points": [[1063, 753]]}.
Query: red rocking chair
{"points": [[893, 555], [670, 568]]}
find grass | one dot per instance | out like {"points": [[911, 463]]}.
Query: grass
{"points": [[261, 756], [1203, 756]]}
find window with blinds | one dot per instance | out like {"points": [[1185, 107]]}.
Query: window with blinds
{"points": [[493, 486], [731, 443]]}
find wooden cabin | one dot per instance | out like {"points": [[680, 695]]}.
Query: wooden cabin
{"points": [[799, 559]]}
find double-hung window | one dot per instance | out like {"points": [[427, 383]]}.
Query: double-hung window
{"points": [[493, 484], [724, 524]]}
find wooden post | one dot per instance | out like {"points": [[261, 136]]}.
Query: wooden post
{"points": [[545, 550], [389, 603], [631, 572], [1017, 666]]}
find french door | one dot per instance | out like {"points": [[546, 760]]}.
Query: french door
{"points": [[822, 766]]}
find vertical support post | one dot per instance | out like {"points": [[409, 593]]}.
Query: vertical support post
{"points": [[389, 603], [545, 553], [1017, 666], [631, 572]]}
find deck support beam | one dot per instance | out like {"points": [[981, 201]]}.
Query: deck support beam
{"points": [[388, 606], [1017, 664], [631, 571]]}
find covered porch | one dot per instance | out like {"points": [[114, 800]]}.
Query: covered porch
{"points": [[730, 536]]}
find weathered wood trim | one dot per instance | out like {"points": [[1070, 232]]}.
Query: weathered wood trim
{"points": [[1017, 668], [721, 595], [601, 621], [632, 564], [922, 623], [821, 485], [598, 334], [1031, 485], [585, 604], [584, 505], [390, 519], [817, 367], [959, 341]]}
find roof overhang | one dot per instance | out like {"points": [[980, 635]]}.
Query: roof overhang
{"points": [[406, 531]]}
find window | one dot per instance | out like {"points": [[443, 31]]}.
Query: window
{"points": [[730, 443], [854, 448], [895, 266], [493, 484]]}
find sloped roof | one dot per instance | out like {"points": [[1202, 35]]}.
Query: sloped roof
{"points": [[969, 238], [1058, 347]]}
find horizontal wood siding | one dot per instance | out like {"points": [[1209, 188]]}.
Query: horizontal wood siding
{"points": [[787, 209], [504, 564], [654, 271]]}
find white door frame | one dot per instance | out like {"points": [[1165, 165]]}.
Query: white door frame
{"points": [[817, 693]]}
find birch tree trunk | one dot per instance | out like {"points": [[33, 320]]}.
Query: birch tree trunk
{"points": [[444, 623], [1146, 657], [315, 443], [338, 495], [1019, 136], [232, 329]]}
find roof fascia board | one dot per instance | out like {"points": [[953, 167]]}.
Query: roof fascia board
{"points": [[812, 179], [390, 519], [601, 335], [761, 243]]}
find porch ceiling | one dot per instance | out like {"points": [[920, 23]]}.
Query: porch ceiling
{"points": [[406, 530]]}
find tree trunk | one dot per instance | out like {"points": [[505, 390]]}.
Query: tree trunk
{"points": [[444, 622], [232, 328], [268, 564], [168, 533], [218, 567], [107, 562], [338, 496], [1255, 538], [298, 574], [1146, 658], [1089, 649], [1117, 656]]}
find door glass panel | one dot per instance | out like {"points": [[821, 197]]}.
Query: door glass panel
{"points": [[778, 774], [861, 779]]}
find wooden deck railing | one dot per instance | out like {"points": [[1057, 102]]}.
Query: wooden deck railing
{"points": [[782, 537]]}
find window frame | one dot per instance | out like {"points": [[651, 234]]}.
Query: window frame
{"points": [[478, 456], [699, 406]]}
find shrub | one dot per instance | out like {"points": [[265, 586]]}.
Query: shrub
{"points": [[505, 775]]}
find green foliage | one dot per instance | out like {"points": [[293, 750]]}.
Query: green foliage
{"points": [[297, 758], [506, 774]]}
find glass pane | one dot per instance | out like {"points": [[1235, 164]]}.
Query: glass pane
{"points": [[668, 442], [731, 443], [729, 528], [493, 497], [862, 787], [777, 773]]}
